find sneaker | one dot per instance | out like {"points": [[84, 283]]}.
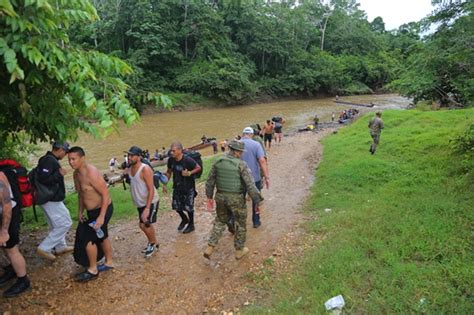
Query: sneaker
{"points": [[207, 254], [46, 255], [149, 250], [188, 229], [146, 248], [241, 253], [65, 250], [182, 224], [19, 287]]}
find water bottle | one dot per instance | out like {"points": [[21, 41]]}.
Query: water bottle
{"points": [[99, 232]]}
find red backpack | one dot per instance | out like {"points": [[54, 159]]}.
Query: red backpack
{"points": [[19, 182]]}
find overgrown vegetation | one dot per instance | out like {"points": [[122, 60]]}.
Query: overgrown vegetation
{"points": [[236, 51], [398, 238], [440, 68]]}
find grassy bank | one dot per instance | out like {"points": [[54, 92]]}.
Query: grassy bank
{"points": [[399, 236], [123, 205]]}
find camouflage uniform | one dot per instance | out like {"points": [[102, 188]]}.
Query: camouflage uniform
{"points": [[231, 176], [376, 126]]}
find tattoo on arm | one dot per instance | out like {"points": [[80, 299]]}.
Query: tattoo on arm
{"points": [[5, 197]]}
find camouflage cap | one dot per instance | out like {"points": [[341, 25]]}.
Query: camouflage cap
{"points": [[237, 145]]}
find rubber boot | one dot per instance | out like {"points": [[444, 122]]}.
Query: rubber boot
{"points": [[184, 220], [241, 253], [208, 252], [190, 226]]}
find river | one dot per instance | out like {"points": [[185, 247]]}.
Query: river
{"points": [[159, 130]]}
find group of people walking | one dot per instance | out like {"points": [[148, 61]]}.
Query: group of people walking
{"points": [[241, 171]]}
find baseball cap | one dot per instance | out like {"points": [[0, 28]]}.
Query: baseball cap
{"points": [[134, 150], [248, 130], [61, 145]]}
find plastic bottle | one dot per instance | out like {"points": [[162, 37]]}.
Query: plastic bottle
{"points": [[99, 232]]}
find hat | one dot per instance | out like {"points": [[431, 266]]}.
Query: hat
{"points": [[248, 130], [61, 145], [237, 145], [134, 151]]}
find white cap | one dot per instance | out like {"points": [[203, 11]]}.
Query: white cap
{"points": [[248, 130]]}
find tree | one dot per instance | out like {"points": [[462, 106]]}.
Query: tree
{"points": [[442, 68], [378, 25], [49, 87]]}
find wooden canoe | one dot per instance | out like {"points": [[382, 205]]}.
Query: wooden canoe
{"points": [[156, 163], [199, 146], [354, 104]]}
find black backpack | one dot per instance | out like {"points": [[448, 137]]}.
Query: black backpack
{"points": [[196, 156]]}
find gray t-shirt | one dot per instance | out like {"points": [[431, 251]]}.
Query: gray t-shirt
{"points": [[253, 152]]}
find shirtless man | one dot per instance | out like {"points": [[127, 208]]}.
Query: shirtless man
{"points": [[267, 132], [93, 196]]}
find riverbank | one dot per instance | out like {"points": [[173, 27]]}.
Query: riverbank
{"points": [[191, 102], [391, 232]]}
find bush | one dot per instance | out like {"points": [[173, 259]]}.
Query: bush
{"points": [[463, 145]]}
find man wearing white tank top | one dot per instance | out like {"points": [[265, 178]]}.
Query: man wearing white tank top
{"points": [[144, 196]]}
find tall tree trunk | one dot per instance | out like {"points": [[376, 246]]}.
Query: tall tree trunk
{"points": [[186, 37], [323, 31]]}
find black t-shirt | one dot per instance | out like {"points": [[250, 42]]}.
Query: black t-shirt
{"points": [[181, 182]]}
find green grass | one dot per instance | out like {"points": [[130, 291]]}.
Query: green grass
{"points": [[124, 208], [399, 237]]}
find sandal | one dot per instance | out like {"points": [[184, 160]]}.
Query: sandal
{"points": [[102, 268]]}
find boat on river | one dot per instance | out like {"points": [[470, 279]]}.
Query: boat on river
{"points": [[354, 104]]}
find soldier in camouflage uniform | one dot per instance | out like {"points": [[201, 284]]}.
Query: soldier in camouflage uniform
{"points": [[376, 126], [232, 177]]}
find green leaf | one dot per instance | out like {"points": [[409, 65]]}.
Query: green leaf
{"points": [[105, 124], [7, 8]]}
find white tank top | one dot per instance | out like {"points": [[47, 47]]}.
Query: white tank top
{"points": [[139, 190], [11, 197]]}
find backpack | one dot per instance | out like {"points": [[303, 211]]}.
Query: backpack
{"points": [[41, 193], [20, 184], [196, 156]]}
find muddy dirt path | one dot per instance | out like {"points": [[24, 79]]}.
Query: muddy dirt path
{"points": [[178, 280]]}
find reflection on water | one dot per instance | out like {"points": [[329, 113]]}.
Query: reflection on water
{"points": [[158, 130]]}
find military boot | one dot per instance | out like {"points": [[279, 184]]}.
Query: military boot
{"points": [[241, 253], [209, 250]]}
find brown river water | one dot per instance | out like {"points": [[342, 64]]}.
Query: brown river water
{"points": [[160, 130]]}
